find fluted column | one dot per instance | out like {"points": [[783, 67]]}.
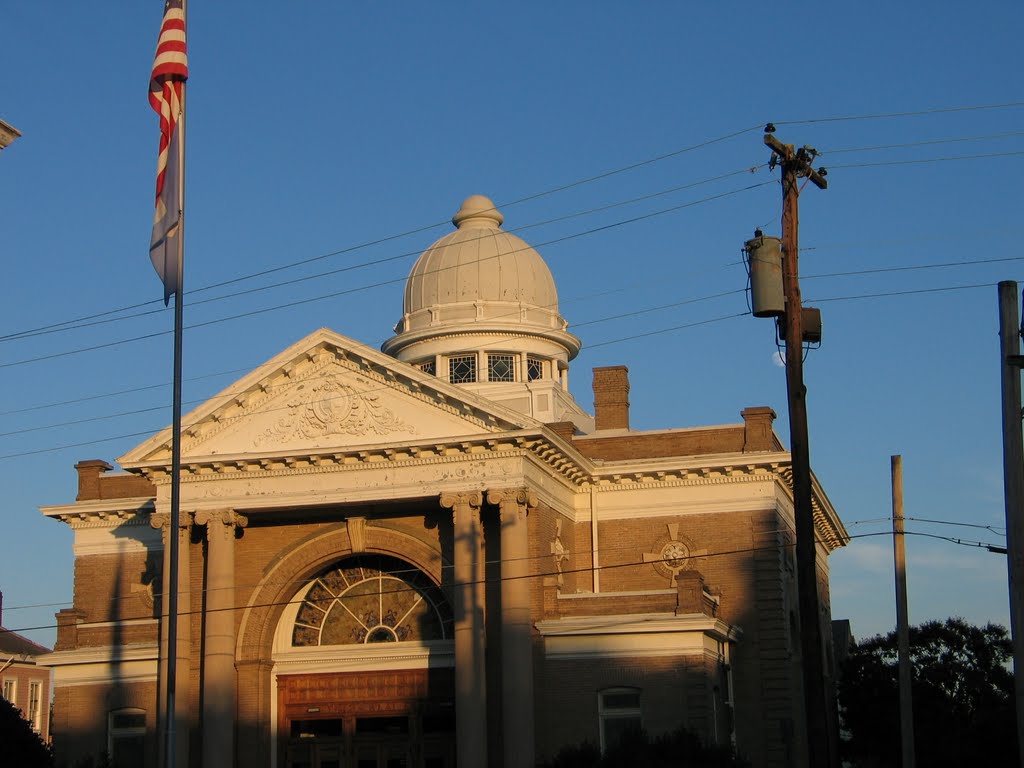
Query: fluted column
{"points": [[470, 670], [516, 626], [183, 660], [219, 681]]}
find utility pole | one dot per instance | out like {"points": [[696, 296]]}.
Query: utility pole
{"points": [[796, 164], [899, 556], [1013, 485]]}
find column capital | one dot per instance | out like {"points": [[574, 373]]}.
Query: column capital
{"points": [[228, 517], [221, 523], [163, 520], [520, 500], [462, 500]]}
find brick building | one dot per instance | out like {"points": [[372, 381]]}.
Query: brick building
{"points": [[25, 681], [431, 553]]}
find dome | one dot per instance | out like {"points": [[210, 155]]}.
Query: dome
{"points": [[479, 261], [479, 279]]}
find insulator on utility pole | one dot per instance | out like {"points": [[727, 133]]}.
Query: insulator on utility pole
{"points": [[764, 259]]}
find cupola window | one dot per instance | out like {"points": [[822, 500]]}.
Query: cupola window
{"points": [[534, 368], [501, 368], [428, 366], [462, 369]]}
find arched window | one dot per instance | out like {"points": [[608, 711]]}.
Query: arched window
{"points": [[371, 599]]}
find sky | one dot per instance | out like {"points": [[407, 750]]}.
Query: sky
{"points": [[623, 141]]}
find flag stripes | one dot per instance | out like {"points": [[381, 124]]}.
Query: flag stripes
{"points": [[166, 88]]}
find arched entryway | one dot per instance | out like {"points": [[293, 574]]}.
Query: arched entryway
{"points": [[363, 665]]}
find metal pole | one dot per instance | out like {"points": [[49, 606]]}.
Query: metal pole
{"points": [[902, 626], [1013, 486], [175, 515]]}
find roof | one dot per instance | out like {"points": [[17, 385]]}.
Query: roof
{"points": [[13, 644]]}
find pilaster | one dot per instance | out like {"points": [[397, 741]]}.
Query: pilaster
{"points": [[516, 626], [183, 646], [470, 671], [219, 683]]}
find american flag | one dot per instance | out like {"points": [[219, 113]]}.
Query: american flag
{"points": [[166, 88]]}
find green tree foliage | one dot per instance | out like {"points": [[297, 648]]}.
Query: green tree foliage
{"points": [[962, 694], [19, 744], [678, 748]]}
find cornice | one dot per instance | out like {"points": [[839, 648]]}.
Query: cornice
{"points": [[102, 513]]}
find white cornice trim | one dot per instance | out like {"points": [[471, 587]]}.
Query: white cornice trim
{"points": [[638, 624], [102, 654], [112, 511]]}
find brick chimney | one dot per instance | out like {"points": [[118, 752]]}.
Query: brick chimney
{"points": [[89, 478], [611, 397], [757, 429]]}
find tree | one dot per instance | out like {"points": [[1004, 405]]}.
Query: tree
{"points": [[678, 748], [962, 693], [19, 744]]}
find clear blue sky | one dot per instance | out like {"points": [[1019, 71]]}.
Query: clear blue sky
{"points": [[316, 126]]}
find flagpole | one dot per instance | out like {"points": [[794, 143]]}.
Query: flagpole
{"points": [[175, 516]]}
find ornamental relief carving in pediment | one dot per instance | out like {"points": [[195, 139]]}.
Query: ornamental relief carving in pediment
{"points": [[327, 407]]}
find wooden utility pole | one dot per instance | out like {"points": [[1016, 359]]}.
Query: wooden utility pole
{"points": [[796, 164], [899, 557], [1013, 485]]}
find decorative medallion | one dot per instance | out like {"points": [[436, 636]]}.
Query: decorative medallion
{"points": [[671, 554]]}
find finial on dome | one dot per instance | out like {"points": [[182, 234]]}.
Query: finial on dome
{"points": [[478, 211]]}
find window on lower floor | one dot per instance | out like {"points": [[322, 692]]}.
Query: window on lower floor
{"points": [[126, 736], [35, 711], [619, 714], [10, 689], [462, 369]]}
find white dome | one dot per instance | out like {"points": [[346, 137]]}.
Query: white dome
{"points": [[480, 279], [479, 261]]}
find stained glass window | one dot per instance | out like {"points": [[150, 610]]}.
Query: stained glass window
{"points": [[501, 368], [371, 599]]}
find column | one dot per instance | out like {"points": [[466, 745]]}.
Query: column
{"points": [[470, 671], [219, 682], [516, 626], [183, 660]]}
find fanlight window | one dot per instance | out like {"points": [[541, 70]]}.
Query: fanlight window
{"points": [[371, 599]]}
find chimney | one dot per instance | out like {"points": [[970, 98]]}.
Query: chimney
{"points": [[757, 429], [89, 478], [611, 397]]}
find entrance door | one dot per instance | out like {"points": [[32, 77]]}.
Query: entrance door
{"points": [[412, 741], [384, 719]]}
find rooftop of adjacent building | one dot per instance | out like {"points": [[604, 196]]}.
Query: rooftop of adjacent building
{"points": [[15, 647]]}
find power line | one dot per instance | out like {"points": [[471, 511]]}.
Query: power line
{"points": [[336, 294], [406, 233], [575, 325], [924, 143], [556, 572], [915, 113], [924, 160]]}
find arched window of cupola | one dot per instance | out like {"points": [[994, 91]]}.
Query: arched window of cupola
{"points": [[371, 599]]}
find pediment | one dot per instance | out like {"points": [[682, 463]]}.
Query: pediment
{"points": [[327, 393]]}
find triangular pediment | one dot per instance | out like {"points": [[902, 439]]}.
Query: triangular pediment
{"points": [[327, 393]]}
